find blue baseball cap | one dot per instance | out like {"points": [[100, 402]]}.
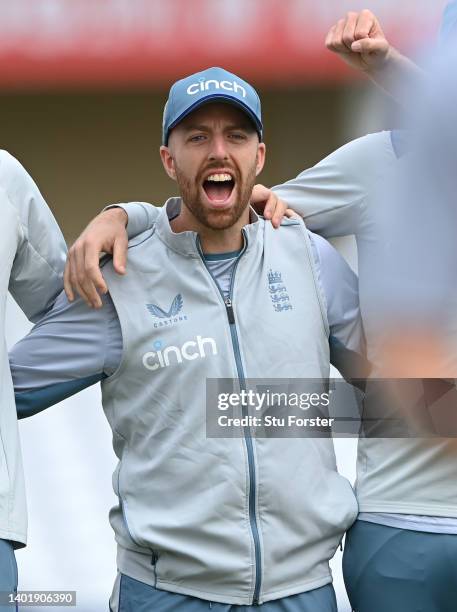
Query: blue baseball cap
{"points": [[211, 85]]}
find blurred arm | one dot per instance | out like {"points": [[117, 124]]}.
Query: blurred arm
{"points": [[71, 348], [339, 285], [37, 271], [141, 216], [333, 196]]}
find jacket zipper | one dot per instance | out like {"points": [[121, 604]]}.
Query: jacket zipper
{"points": [[246, 430]]}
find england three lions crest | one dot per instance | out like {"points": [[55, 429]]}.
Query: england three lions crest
{"points": [[278, 292]]}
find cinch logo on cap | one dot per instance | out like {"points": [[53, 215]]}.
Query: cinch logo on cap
{"points": [[205, 85]]}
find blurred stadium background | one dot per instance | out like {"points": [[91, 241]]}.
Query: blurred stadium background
{"points": [[82, 88]]}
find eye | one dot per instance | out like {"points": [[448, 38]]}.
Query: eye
{"points": [[197, 138], [237, 136]]}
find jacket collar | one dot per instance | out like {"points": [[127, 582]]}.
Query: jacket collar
{"points": [[186, 243]]}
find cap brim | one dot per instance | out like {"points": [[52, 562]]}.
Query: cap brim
{"points": [[217, 98]]}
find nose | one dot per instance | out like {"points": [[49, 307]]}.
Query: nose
{"points": [[218, 149]]}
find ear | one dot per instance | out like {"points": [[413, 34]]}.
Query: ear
{"points": [[261, 152], [168, 162]]}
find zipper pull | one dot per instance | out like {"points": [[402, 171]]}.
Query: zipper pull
{"points": [[230, 313]]}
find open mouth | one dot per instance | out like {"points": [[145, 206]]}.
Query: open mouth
{"points": [[218, 187]]}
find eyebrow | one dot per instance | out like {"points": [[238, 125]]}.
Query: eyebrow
{"points": [[235, 126]]}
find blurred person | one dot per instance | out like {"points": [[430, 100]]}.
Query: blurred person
{"points": [[199, 520], [398, 553], [33, 254]]}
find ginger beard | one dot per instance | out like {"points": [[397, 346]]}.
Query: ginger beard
{"points": [[202, 200]]}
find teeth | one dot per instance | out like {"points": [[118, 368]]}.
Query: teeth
{"points": [[218, 178]]}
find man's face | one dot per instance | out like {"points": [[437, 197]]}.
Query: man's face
{"points": [[214, 154]]}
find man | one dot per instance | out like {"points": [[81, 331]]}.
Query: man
{"points": [[33, 253], [397, 554], [199, 520]]}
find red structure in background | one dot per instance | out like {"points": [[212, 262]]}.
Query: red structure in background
{"points": [[125, 43]]}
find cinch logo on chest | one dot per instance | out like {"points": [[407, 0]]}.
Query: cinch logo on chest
{"points": [[172, 355]]}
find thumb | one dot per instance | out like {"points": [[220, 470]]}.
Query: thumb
{"points": [[120, 253], [367, 46], [260, 194]]}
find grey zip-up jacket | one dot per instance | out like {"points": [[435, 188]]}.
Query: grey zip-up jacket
{"points": [[233, 520], [32, 255]]}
